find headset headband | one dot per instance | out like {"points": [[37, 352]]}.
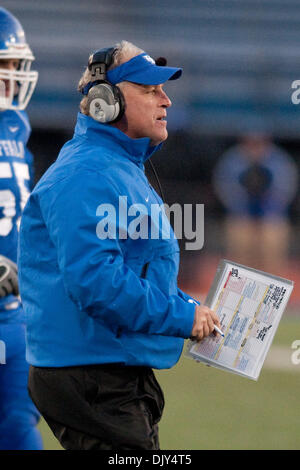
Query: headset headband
{"points": [[100, 61]]}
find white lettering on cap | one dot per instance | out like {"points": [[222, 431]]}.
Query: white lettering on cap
{"points": [[147, 57]]}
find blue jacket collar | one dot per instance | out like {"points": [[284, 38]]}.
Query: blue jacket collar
{"points": [[138, 150]]}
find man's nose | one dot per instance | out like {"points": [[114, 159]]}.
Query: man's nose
{"points": [[166, 100]]}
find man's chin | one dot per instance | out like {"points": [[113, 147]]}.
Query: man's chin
{"points": [[158, 140]]}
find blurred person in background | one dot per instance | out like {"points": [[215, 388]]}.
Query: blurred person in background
{"points": [[104, 310], [256, 181], [18, 415]]}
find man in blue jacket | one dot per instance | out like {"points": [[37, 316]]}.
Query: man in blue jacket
{"points": [[101, 298]]}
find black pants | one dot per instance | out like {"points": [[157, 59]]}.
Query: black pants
{"points": [[101, 407]]}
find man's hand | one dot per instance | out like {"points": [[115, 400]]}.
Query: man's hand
{"points": [[204, 322], [8, 277]]}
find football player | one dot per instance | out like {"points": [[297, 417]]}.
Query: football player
{"points": [[18, 416]]}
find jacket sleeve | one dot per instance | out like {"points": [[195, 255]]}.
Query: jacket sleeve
{"points": [[93, 269]]}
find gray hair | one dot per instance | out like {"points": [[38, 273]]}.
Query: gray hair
{"points": [[125, 51]]}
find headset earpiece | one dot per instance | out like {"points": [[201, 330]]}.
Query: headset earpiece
{"points": [[106, 102]]}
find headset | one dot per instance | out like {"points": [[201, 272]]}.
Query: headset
{"points": [[106, 102]]}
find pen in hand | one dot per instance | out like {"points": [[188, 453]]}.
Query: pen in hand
{"points": [[218, 330]]}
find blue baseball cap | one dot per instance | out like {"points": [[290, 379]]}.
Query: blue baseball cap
{"points": [[142, 69]]}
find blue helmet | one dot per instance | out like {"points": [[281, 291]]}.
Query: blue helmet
{"points": [[16, 86]]}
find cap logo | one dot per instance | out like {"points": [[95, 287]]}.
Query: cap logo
{"points": [[147, 57]]}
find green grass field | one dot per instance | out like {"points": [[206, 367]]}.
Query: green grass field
{"points": [[210, 409]]}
